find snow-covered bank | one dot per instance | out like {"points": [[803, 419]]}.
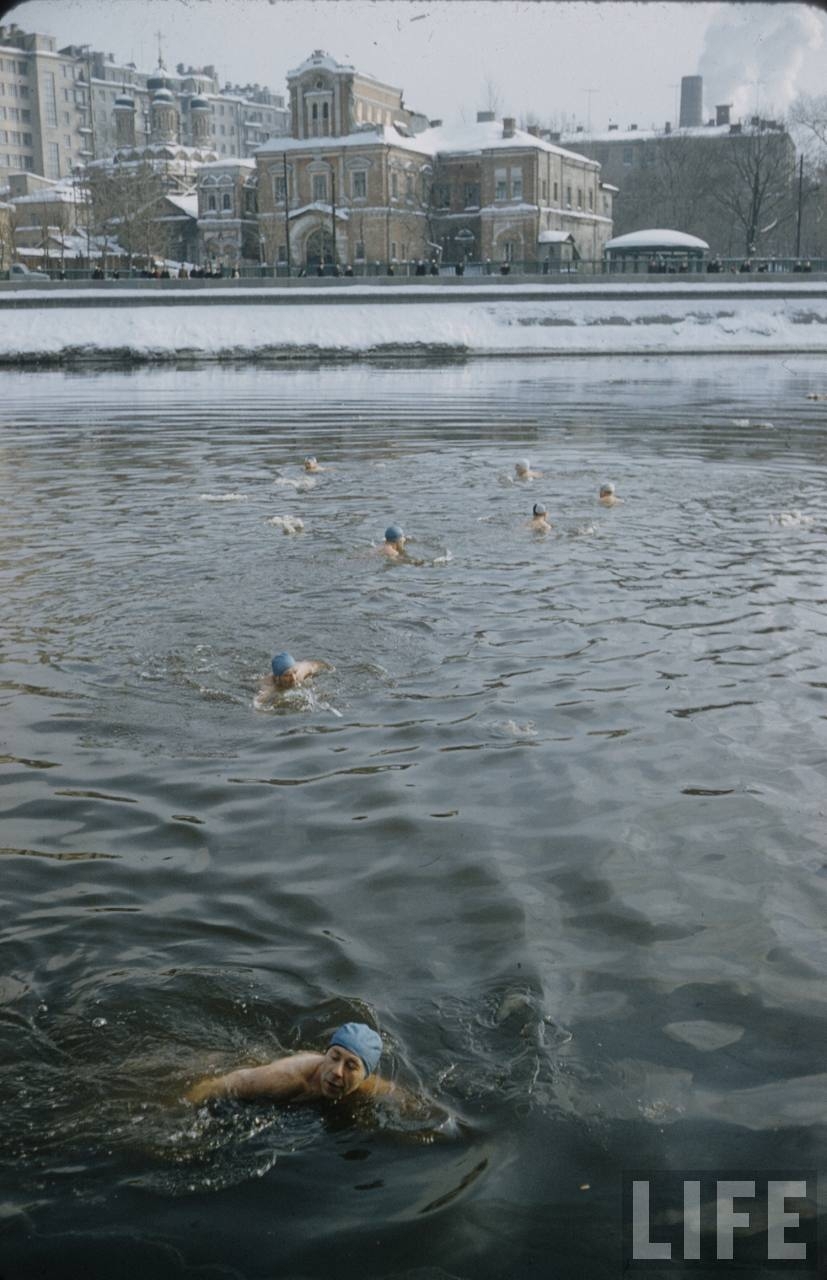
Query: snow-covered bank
{"points": [[614, 320]]}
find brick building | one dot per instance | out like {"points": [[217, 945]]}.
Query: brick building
{"points": [[397, 189]]}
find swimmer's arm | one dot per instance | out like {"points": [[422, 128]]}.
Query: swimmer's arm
{"points": [[276, 1081]]}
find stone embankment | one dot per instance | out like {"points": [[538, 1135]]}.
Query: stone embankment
{"points": [[150, 320]]}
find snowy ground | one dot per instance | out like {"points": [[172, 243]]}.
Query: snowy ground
{"points": [[601, 320]]}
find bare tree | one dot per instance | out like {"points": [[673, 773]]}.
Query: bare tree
{"points": [[9, 222], [125, 204], [808, 115], [752, 184]]}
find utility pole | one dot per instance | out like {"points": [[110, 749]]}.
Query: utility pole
{"points": [[800, 197], [286, 219], [333, 209]]}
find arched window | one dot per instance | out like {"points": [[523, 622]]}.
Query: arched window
{"points": [[211, 202], [226, 201]]}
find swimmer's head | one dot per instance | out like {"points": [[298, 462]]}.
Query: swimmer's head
{"points": [[359, 1039], [393, 533], [310, 463], [538, 510], [282, 663], [522, 467], [607, 490]]}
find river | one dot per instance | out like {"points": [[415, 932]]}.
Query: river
{"points": [[554, 820]]}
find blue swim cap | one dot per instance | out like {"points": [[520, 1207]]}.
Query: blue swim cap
{"points": [[537, 510], [281, 663], [362, 1040], [393, 533]]}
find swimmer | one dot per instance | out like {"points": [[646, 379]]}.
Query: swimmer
{"points": [[539, 521], [310, 464], [607, 497], [394, 544], [347, 1068], [287, 673], [522, 470]]}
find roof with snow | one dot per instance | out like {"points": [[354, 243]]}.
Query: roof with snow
{"points": [[468, 139], [234, 162], [187, 204], [555, 237], [658, 238]]}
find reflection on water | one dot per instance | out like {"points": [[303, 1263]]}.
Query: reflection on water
{"points": [[555, 817]]}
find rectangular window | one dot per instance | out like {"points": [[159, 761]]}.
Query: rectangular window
{"points": [[67, 119], [14, 113], [12, 90], [28, 163], [359, 183], [471, 195], [545, 190], [360, 251], [22, 69], [50, 99], [555, 193], [605, 204], [409, 186], [393, 250], [53, 161], [628, 155], [404, 249], [580, 197], [394, 185], [568, 197], [500, 184], [319, 186], [23, 90], [66, 139], [442, 195], [3, 136], [516, 184], [591, 200]]}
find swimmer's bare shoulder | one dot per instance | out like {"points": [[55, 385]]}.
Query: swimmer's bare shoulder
{"points": [[285, 1080]]}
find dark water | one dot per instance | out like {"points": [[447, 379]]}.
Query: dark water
{"points": [[556, 820]]}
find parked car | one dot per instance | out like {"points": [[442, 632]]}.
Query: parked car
{"points": [[19, 271]]}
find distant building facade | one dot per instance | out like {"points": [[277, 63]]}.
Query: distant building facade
{"points": [[697, 179], [228, 227], [397, 189], [58, 106]]}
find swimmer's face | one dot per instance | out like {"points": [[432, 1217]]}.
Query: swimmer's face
{"points": [[341, 1072], [310, 464], [287, 678]]}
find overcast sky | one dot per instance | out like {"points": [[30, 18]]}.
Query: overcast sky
{"points": [[556, 60]]}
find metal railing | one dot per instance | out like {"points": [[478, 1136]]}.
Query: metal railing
{"points": [[582, 269]]}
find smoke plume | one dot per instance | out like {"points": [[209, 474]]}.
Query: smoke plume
{"points": [[752, 55]]}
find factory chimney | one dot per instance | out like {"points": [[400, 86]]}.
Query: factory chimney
{"points": [[692, 93]]}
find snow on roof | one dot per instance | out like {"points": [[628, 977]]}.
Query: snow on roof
{"points": [[487, 135], [464, 139], [656, 239], [555, 237], [646, 135], [319, 60], [187, 204], [49, 195], [234, 162]]}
